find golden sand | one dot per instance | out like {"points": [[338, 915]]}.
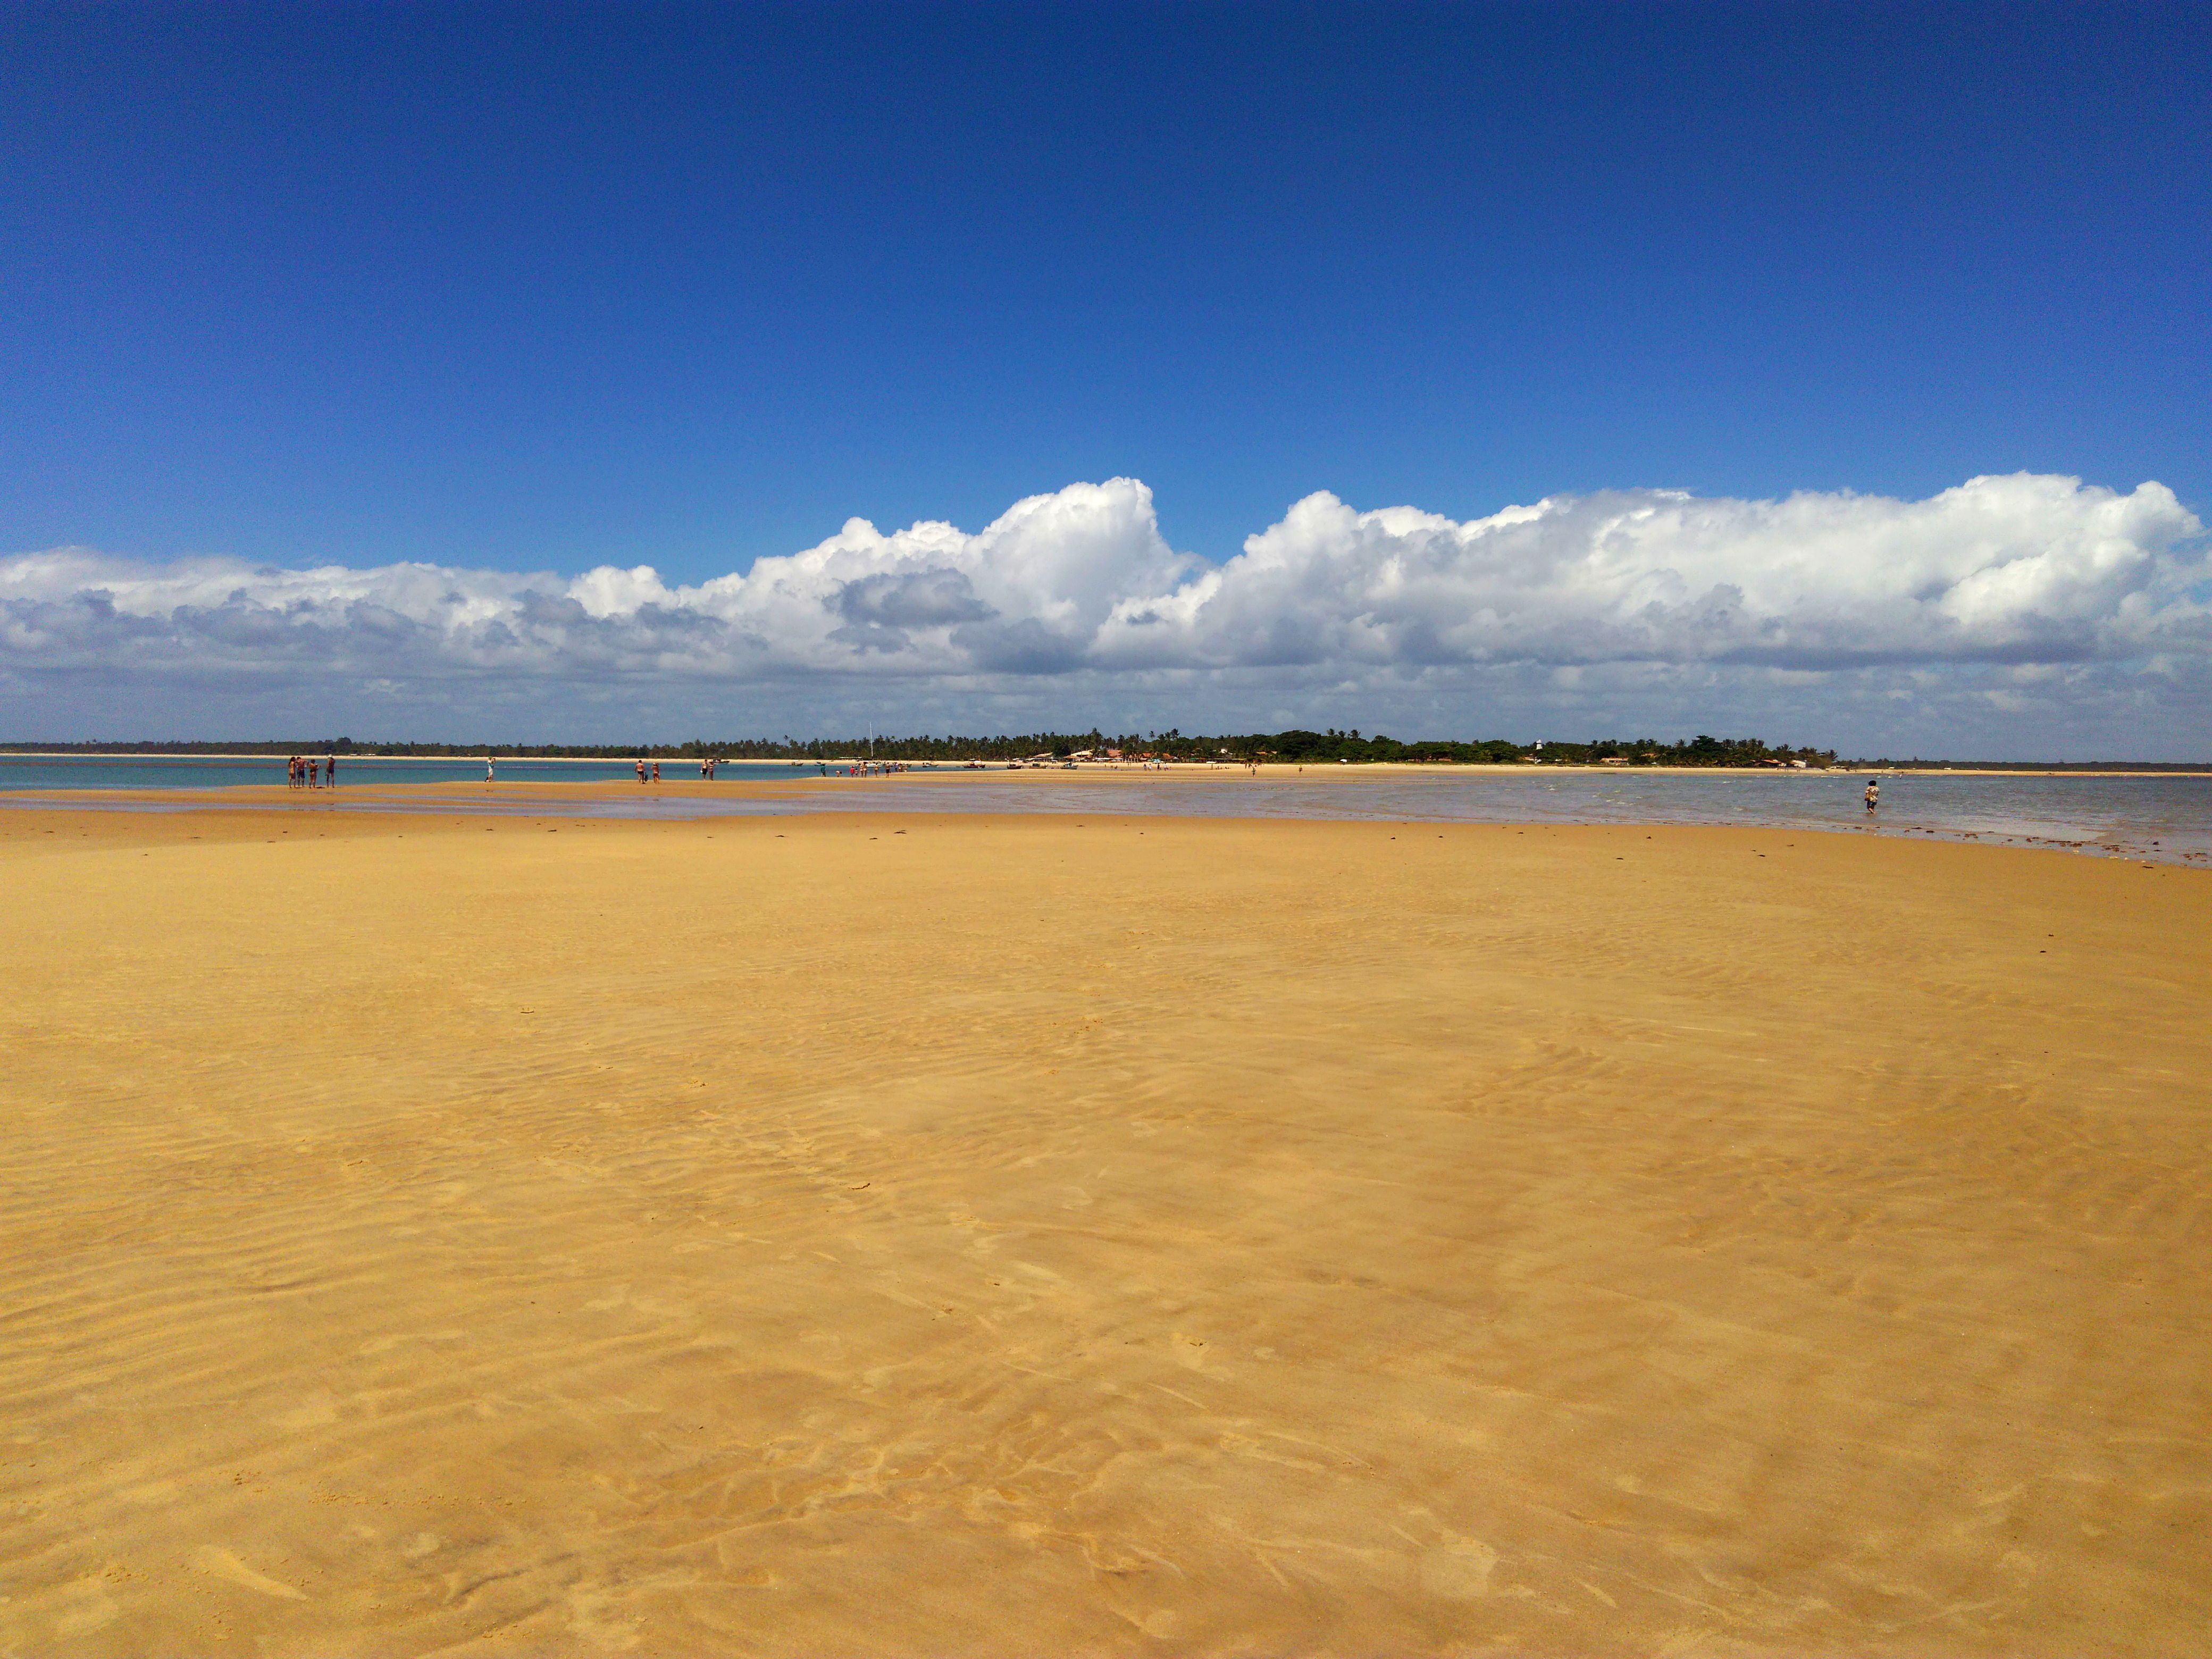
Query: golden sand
{"points": [[1021, 1236]]}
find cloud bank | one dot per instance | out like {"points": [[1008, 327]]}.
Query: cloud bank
{"points": [[2017, 606]]}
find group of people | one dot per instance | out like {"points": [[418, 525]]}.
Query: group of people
{"points": [[706, 769], [301, 772], [707, 765]]}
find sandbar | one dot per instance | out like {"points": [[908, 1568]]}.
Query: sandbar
{"points": [[931, 1234]]}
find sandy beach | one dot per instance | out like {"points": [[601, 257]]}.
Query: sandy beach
{"points": [[932, 1234]]}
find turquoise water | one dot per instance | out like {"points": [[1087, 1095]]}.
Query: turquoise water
{"points": [[2144, 816]]}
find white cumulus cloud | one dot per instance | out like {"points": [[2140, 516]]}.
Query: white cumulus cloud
{"points": [[2018, 594], [2020, 568]]}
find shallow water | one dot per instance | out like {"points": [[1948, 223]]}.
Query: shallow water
{"points": [[2117, 814], [2144, 816], [2141, 816]]}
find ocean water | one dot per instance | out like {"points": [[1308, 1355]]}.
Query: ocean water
{"points": [[2149, 816]]}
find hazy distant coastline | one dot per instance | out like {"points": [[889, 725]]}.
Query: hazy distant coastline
{"points": [[1292, 747]]}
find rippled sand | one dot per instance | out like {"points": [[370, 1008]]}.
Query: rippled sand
{"points": [[1014, 1236]]}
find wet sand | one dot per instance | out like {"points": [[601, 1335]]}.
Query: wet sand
{"points": [[931, 1234]]}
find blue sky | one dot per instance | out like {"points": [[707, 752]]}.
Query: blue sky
{"points": [[548, 289]]}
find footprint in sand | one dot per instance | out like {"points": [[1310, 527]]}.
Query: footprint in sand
{"points": [[222, 1563]]}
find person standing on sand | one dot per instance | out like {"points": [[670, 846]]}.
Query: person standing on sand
{"points": [[1873, 794], [487, 768], [641, 768], [331, 769], [656, 771]]}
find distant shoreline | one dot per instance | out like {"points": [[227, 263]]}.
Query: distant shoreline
{"points": [[1273, 768]]}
